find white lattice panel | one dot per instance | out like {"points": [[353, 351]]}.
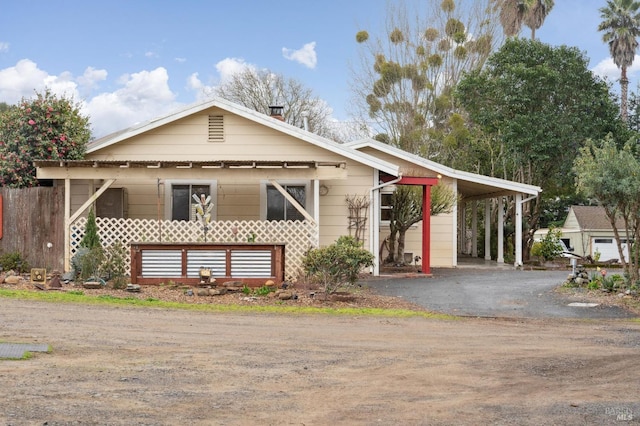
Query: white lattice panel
{"points": [[299, 236]]}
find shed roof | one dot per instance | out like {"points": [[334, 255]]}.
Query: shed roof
{"points": [[594, 218]]}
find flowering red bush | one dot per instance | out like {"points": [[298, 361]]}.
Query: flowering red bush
{"points": [[44, 128]]}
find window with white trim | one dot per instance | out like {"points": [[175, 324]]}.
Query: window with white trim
{"points": [[179, 198]]}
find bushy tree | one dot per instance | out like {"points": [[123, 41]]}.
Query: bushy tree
{"points": [[536, 105], [403, 87], [611, 175], [43, 128], [549, 247]]}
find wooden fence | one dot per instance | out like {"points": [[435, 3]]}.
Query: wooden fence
{"points": [[31, 219]]}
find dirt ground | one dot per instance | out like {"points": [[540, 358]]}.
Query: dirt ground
{"points": [[146, 366]]}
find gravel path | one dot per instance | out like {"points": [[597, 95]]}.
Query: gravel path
{"points": [[141, 366]]}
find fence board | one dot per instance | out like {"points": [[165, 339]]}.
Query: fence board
{"points": [[31, 218]]}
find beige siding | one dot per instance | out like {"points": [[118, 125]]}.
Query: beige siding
{"points": [[186, 139], [571, 222]]}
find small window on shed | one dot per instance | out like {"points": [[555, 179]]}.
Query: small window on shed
{"points": [[216, 128]]}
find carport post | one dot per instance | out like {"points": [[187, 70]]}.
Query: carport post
{"points": [[500, 230], [426, 229], [518, 243], [487, 229]]}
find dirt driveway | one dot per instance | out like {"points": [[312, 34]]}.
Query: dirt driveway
{"points": [[142, 366]]}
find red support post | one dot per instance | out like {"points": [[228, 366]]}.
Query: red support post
{"points": [[426, 229]]}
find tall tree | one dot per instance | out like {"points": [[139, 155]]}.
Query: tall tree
{"points": [[260, 89], [536, 105], [621, 26], [43, 128], [515, 13], [402, 88], [610, 175], [537, 13]]}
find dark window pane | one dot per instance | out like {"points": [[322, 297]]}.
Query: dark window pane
{"points": [[182, 199], [275, 204], [278, 208], [181, 202], [298, 193]]}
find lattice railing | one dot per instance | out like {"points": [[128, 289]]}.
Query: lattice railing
{"points": [[299, 236]]}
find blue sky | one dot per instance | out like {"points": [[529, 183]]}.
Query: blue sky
{"points": [[132, 60]]}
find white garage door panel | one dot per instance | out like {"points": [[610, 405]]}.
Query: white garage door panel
{"points": [[608, 248]]}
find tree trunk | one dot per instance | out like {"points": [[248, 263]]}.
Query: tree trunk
{"points": [[392, 247], [401, 238], [624, 90]]}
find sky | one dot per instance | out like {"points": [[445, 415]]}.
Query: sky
{"points": [[128, 61]]}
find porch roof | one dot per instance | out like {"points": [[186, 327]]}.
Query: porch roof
{"points": [[102, 169]]}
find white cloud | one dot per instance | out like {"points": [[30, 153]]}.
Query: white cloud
{"points": [[231, 66], [25, 79], [89, 80], [305, 56], [4, 46], [180, 60], [144, 95], [226, 68], [608, 69]]}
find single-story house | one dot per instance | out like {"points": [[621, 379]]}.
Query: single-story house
{"points": [[587, 231], [263, 182]]}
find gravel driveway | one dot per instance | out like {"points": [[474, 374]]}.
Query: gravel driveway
{"points": [[492, 292]]}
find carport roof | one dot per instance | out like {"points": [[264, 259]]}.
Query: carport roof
{"points": [[470, 185]]}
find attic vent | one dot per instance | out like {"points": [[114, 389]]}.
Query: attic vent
{"points": [[216, 128]]}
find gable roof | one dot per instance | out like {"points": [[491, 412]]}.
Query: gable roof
{"points": [[594, 217], [472, 185], [254, 116]]}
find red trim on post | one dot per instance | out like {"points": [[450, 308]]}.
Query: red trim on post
{"points": [[410, 180]]}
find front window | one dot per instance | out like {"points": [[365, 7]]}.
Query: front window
{"points": [[182, 201], [279, 208]]}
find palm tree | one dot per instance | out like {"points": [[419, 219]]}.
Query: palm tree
{"points": [[513, 13], [537, 12], [621, 26]]}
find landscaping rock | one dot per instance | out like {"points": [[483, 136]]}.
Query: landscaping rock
{"points": [[13, 279], [285, 295], [233, 284]]}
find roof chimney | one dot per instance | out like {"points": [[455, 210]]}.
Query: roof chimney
{"points": [[275, 111]]}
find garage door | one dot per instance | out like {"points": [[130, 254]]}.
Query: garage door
{"points": [[608, 248]]}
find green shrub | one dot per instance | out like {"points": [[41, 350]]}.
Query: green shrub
{"points": [[90, 238], [87, 262], [14, 261], [338, 264], [114, 266], [549, 247]]}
